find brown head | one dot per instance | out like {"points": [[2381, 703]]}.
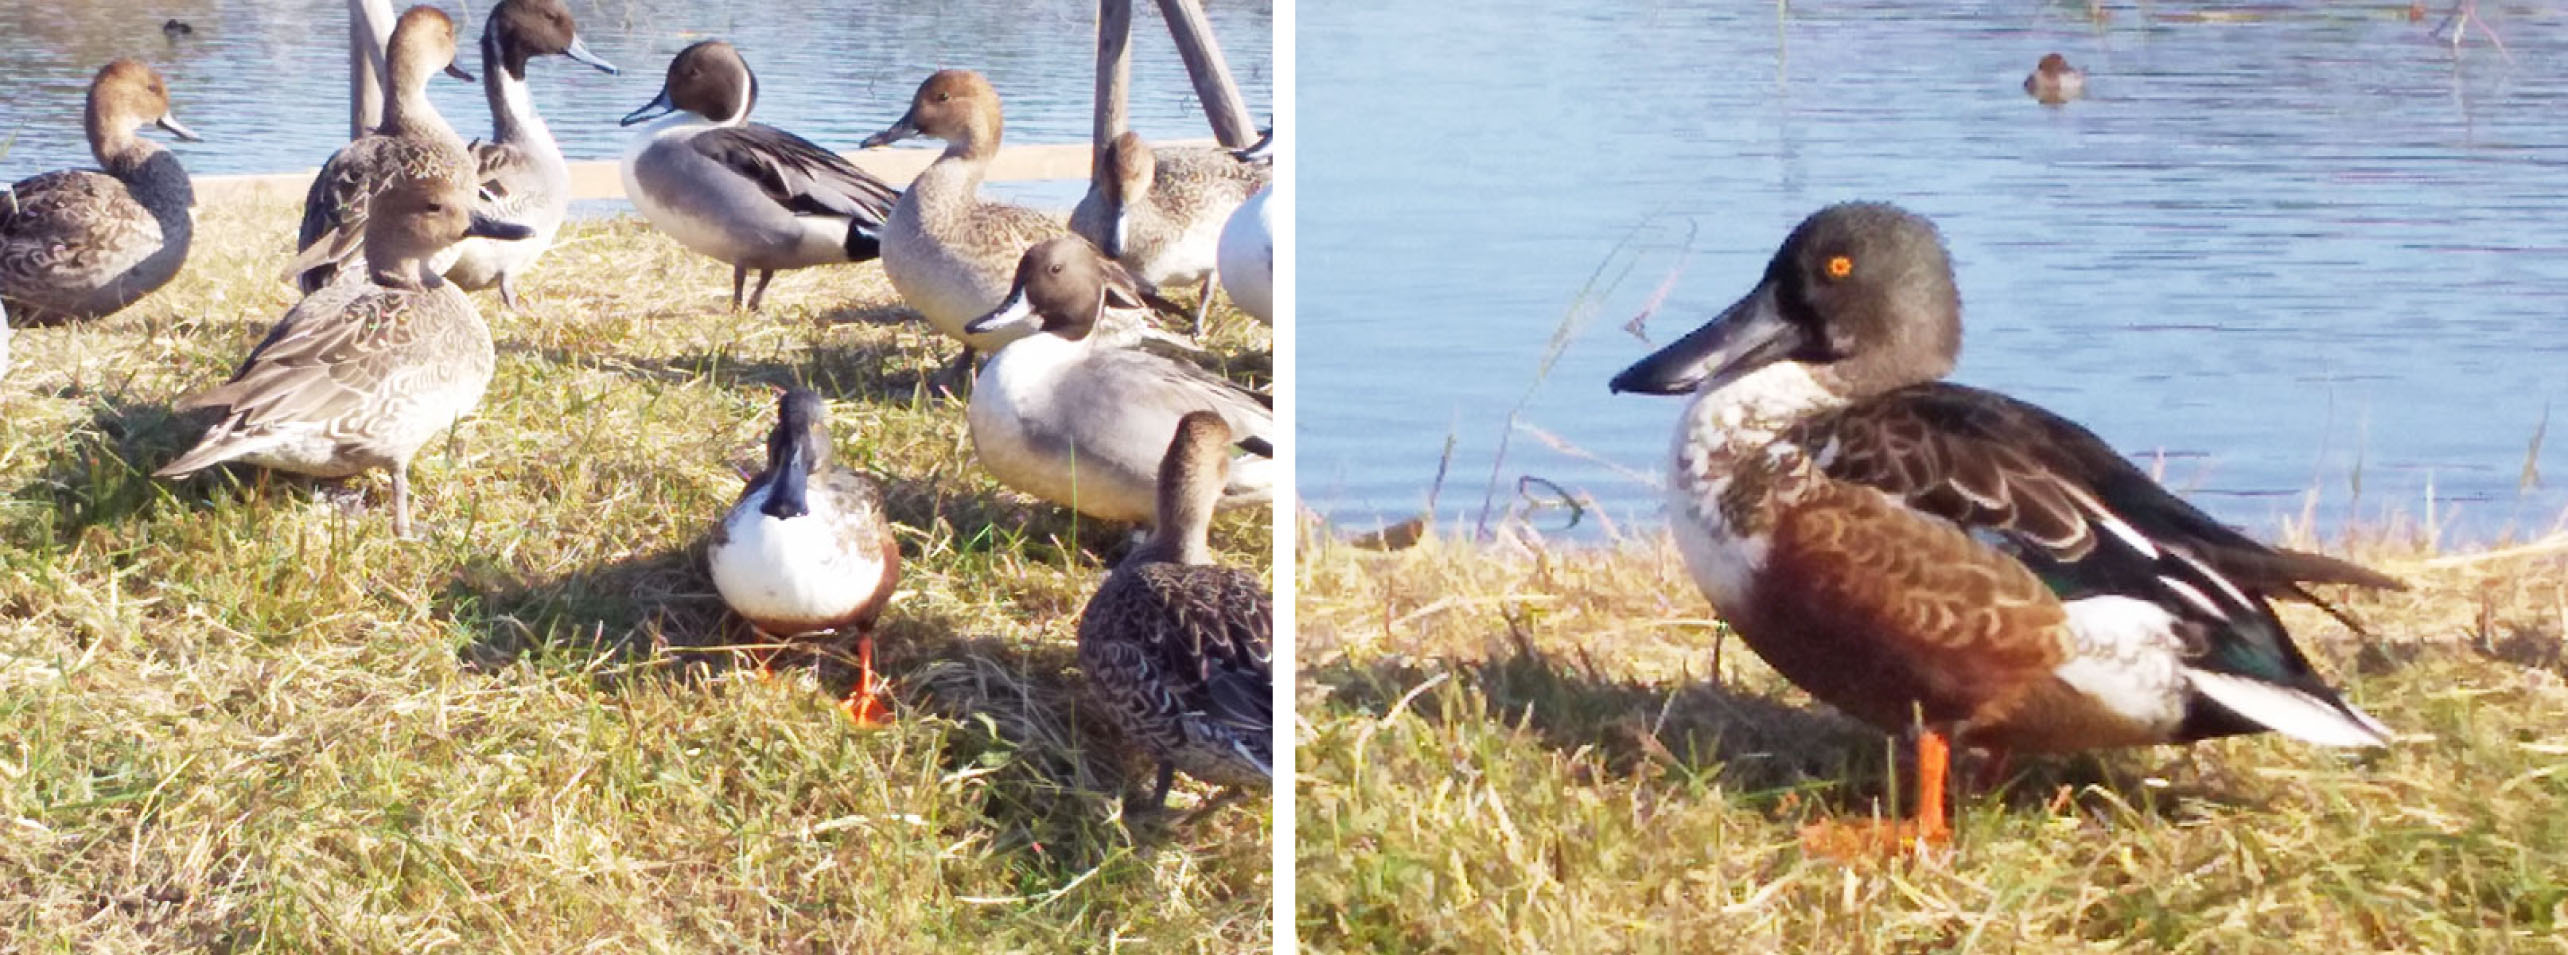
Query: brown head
{"points": [[413, 219], [957, 106], [520, 30], [423, 42], [2052, 64], [125, 95], [1063, 286], [1191, 476], [709, 79]]}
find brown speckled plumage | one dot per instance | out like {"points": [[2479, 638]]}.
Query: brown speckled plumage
{"points": [[414, 142], [78, 244]]}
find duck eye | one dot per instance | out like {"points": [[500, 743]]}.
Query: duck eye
{"points": [[1840, 266], [942, 97], [1055, 268]]}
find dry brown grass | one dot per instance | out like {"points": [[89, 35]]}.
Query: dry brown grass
{"points": [[242, 720], [1529, 748]]}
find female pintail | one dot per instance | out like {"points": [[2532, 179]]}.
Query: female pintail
{"points": [[360, 374], [413, 142], [1161, 212], [78, 244]]}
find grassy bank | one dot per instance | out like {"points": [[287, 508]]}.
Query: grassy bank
{"points": [[1517, 748], [241, 719]]}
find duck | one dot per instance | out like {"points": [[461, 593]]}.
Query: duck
{"points": [[362, 373], [2053, 81], [1946, 560], [81, 244], [1246, 256], [808, 549], [752, 195], [523, 177], [1161, 212], [413, 141], [1177, 648], [1066, 415], [949, 253]]}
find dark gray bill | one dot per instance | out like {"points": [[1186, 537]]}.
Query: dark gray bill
{"points": [[1744, 337]]}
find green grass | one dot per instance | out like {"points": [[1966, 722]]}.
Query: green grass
{"points": [[241, 719], [1522, 748]]}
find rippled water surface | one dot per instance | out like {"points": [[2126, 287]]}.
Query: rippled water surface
{"points": [[266, 82], [2283, 248]]}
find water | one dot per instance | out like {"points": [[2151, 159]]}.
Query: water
{"points": [[2309, 251], [266, 82]]}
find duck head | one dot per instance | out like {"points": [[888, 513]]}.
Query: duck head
{"points": [[1062, 287], [413, 219], [957, 106], [798, 446], [423, 42], [1128, 166], [1861, 294], [125, 95], [708, 79], [520, 30]]}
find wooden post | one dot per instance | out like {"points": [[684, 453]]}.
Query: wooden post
{"points": [[1114, 72], [369, 31], [1222, 105]]}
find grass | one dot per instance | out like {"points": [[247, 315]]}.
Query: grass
{"points": [[240, 719], [1516, 747]]}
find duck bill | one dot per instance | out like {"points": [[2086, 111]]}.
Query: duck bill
{"points": [[789, 467], [658, 106], [456, 70], [1263, 150], [1256, 445], [579, 51], [1745, 337], [906, 128], [486, 227], [1119, 237], [171, 124], [1015, 314]]}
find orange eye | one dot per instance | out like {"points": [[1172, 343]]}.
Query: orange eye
{"points": [[1840, 266]]}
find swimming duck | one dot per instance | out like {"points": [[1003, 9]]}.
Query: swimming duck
{"points": [[1161, 212], [1065, 415], [360, 374], [1176, 647], [76, 244], [412, 142], [808, 549], [522, 175], [1908, 549], [2053, 81], [749, 194], [950, 254]]}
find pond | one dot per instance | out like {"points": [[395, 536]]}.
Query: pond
{"points": [[2300, 257], [266, 82]]}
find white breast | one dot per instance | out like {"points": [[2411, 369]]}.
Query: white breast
{"points": [[798, 569], [1722, 424]]}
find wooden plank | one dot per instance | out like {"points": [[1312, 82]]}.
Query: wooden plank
{"points": [[602, 179], [1114, 72], [369, 30], [1222, 104]]}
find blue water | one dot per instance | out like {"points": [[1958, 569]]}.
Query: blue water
{"points": [[266, 82], [2309, 259]]}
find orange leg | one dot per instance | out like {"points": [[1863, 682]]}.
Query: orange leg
{"points": [[1928, 825], [862, 704]]}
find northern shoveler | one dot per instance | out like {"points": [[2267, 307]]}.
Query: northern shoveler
{"points": [[1178, 648], [808, 548], [1932, 556]]}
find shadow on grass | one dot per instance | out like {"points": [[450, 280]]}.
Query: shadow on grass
{"points": [[1768, 753], [102, 473], [1047, 780]]}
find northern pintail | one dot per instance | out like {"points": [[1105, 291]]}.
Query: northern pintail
{"points": [[808, 549], [949, 253], [523, 177], [361, 373], [413, 142], [79, 244], [1178, 648], [1247, 254], [2053, 81], [745, 193], [1068, 416], [1917, 553], [1161, 211]]}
